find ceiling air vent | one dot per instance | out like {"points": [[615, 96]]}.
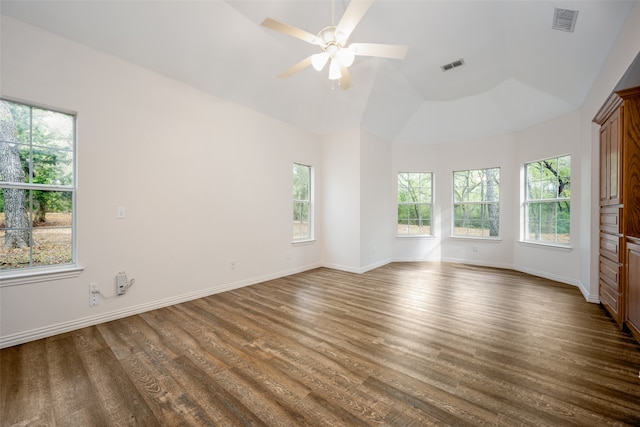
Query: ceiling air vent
{"points": [[565, 19], [452, 65]]}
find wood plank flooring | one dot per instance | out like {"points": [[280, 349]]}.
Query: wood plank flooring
{"points": [[407, 344]]}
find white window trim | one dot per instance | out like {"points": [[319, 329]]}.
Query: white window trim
{"points": [[39, 274], [431, 203], [559, 246], [525, 203], [311, 237], [303, 242], [55, 271], [454, 203]]}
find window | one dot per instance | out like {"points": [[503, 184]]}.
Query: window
{"points": [[547, 204], [301, 202], [414, 203], [476, 203], [37, 187]]}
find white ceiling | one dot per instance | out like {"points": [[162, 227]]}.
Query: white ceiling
{"points": [[518, 71]]}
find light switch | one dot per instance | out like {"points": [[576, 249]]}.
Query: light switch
{"points": [[121, 212]]}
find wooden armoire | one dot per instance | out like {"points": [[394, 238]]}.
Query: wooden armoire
{"points": [[619, 120]]}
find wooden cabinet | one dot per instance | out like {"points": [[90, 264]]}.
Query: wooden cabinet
{"points": [[619, 265]]}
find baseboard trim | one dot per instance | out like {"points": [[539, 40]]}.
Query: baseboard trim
{"points": [[562, 279], [478, 263], [72, 325], [342, 267]]}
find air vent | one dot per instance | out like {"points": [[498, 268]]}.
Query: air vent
{"points": [[565, 19], [452, 65]]}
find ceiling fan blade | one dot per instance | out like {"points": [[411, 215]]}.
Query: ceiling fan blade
{"points": [[352, 16], [345, 78], [298, 67], [291, 31], [393, 51]]}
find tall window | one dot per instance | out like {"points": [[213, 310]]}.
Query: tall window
{"points": [[37, 187], [414, 203], [547, 205], [476, 203], [301, 202]]}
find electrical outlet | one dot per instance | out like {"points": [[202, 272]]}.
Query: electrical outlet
{"points": [[232, 265], [94, 293], [121, 283]]}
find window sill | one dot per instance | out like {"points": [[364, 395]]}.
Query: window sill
{"points": [[415, 236], [35, 276], [565, 248], [303, 242], [488, 239]]}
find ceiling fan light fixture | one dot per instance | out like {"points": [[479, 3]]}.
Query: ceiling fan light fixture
{"points": [[319, 60], [346, 56], [334, 69]]}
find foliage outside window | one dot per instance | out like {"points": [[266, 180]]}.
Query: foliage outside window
{"points": [[37, 187], [547, 205], [414, 203], [301, 202], [476, 203]]}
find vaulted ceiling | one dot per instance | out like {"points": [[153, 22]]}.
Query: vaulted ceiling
{"points": [[518, 71]]}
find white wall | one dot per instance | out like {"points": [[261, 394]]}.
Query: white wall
{"points": [[377, 207], [204, 182], [341, 200], [357, 199]]}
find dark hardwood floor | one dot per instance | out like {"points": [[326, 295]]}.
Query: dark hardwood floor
{"points": [[407, 344]]}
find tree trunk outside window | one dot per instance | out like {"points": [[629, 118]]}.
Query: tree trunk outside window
{"points": [[494, 215], [15, 203]]}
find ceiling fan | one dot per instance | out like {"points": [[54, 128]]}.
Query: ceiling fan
{"points": [[333, 42]]}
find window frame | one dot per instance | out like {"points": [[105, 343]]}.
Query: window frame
{"points": [[42, 273], [455, 203], [428, 203], [309, 203], [526, 203]]}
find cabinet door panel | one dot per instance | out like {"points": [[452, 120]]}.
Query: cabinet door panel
{"points": [[610, 299], [604, 162], [610, 246], [614, 158], [610, 220], [610, 273], [631, 168]]}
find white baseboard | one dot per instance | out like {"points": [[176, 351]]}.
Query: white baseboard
{"points": [[341, 267], [374, 265], [478, 263], [414, 259], [48, 331], [562, 279]]}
